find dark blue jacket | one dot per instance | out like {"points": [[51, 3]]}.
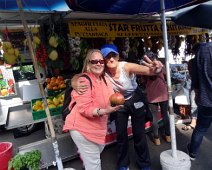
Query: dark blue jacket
{"points": [[202, 74]]}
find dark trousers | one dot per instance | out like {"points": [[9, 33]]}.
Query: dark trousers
{"points": [[164, 112], [204, 120], [139, 137]]}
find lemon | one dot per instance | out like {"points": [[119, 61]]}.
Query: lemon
{"points": [[35, 107], [40, 108], [35, 30], [49, 101], [51, 106], [16, 51], [7, 44], [53, 55], [61, 99], [53, 41], [60, 105], [9, 59], [10, 51], [38, 103], [55, 101], [36, 40], [4, 92]]}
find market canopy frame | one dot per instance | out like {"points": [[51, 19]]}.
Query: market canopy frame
{"points": [[35, 5], [129, 6], [194, 16]]}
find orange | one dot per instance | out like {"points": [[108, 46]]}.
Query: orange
{"points": [[53, 82], [62, 86], [48, 80], [60, 77], [62, 81], [58, 81], [53, 78], [49, 87], [55, 88]]}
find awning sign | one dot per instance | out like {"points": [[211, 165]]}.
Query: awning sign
{"points": [[104, 29]]}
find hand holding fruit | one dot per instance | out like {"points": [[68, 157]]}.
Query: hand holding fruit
{"points": [[111, 109], [116, 99]]}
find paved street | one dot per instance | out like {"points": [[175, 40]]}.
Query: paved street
{"points": [[203, 162]]}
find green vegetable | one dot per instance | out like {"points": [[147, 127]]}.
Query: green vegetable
{"points": [[3, 84], [30, 160]]}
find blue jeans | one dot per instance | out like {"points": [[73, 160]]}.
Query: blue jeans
{"points": [[204, 120]]}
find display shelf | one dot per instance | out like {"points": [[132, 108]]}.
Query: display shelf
{"points": [[19, 116]]}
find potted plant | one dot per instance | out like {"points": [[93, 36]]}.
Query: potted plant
{"points": [[29, 160]]}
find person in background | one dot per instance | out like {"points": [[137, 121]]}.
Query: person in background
{"points": [[157, 96], [87, 121], [194, 111], [202, 84], [123, 77]]}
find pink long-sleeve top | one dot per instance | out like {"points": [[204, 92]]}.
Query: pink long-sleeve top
{"points": [[81, 118], [156, 89]]}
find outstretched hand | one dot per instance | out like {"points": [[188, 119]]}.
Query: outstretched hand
{"points": [[154, 65]]}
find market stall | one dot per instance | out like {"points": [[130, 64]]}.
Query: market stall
{"points": [[30, 108], [127, 35], [123, 31], [135, 38]]}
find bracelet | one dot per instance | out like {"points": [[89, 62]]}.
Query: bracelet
{"points": [[98, 112]]}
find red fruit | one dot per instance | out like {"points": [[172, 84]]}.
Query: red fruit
{"points": [[116, 99], [11, 91], [10, 82]]}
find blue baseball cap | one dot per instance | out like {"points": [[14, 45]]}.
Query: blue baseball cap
{"points": [[108, 48]]}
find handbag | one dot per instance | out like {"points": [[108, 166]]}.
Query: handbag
{"points": [[139, 101]]}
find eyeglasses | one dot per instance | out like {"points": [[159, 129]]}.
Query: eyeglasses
{"points": [[97, 61]]}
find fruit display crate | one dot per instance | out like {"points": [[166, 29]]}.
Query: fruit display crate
{"points": [[41, 114]]}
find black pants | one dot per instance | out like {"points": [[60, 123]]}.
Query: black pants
{"points": [[139, 136]]}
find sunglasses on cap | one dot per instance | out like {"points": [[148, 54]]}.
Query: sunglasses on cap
{"points": [[97, 61]]}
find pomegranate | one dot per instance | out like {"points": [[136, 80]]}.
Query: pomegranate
{"points": [[116, 99]]}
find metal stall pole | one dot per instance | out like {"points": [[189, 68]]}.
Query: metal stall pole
{"points": [[168, 77], [37, 74], [171, 159]]}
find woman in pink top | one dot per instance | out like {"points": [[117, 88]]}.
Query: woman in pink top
{"points": [[157, 95], [87, 121]]}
